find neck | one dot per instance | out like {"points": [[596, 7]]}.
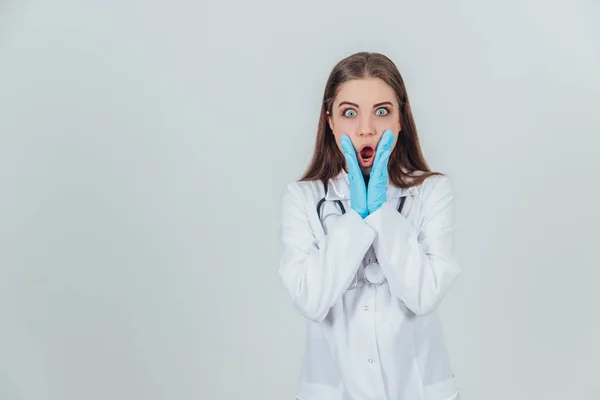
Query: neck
{"points": [[366, 177]]}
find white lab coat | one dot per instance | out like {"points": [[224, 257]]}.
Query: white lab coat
{"points": [[371, 341]]}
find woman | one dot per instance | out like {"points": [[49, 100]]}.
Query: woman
{"points": [[368, 246]]}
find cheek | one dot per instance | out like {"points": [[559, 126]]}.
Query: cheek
{"points": [[388, 123], [392, 124], [395, 141], [348, 126]]}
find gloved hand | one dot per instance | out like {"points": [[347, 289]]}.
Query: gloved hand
{"points": [[358, 189], [378, 180]]}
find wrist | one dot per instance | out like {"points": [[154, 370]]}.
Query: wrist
{"points": [[375, 207]]}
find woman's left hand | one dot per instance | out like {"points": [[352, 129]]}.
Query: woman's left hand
{"points": [[378, 180], [358, 189]]}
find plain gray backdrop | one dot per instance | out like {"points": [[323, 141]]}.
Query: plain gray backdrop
{"points": [[144, 147]]}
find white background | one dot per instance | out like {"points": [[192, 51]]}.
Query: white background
{"points": [[144, 146]]}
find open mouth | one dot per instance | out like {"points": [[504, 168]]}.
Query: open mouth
{"points": [[367, 153], [366, 156]]}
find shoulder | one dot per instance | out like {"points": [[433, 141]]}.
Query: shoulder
{"points": [[435, 187], [302, 192], [436, 190], [443, 181], [304, 187]]}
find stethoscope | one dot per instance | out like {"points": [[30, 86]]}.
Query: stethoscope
{"points": [[373, 272], [343, 209]]}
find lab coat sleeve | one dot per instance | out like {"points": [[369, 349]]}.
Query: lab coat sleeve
{"points": [[317, 273], [419, 263]]}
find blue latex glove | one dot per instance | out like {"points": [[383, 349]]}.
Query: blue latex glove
{"points": [[358, 188], [378, 180]]}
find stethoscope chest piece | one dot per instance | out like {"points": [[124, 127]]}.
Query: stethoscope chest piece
{"points": [[374, 274]]}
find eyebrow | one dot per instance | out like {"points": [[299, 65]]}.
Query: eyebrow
{"points": [[356, 105]]}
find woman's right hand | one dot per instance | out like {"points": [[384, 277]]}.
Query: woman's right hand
{"points": [[358, 188]]}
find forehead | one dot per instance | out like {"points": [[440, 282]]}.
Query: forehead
{"points": [[367, 91]]}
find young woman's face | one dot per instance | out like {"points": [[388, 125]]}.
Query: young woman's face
{"points": [[363, 109]]}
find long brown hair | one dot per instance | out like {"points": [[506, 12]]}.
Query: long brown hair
{"points": [[328, 161]]}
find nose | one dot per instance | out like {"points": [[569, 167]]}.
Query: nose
{"points": [[366, 126]]}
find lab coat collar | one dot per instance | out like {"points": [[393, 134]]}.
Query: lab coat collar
{"points": [[338, 188]]}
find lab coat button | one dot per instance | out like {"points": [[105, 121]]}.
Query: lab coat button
{"points": [[370, 360], [374, 274]]}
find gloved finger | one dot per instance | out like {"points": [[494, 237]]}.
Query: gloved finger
{"points": [[347, 146], [387, 139], [380, 168], [349, 154], [385, 144]]}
